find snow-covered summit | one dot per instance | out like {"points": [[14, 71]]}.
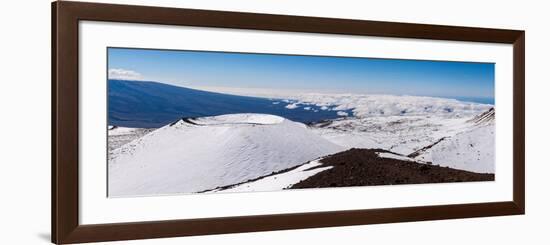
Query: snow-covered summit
{"points": [[198, 154]]}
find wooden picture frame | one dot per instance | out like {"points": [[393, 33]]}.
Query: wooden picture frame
{"points": [[65, 121]]}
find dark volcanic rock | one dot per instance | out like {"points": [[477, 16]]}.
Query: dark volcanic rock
{"points": [[363, 167]]}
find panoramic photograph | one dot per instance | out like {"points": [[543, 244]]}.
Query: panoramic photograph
{"points": [[197, 122]]}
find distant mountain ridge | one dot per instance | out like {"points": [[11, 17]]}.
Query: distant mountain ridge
{"points": [[147, 104]]}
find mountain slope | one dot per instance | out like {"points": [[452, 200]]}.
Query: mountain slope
{"points": [[119, 136], [400, 134], [193, 155], [367, 167], [139, 104], [471, 150], [463, 141], [357, 167], [276, 181]]}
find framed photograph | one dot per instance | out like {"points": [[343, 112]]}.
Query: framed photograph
{"points": [[175, 122]]}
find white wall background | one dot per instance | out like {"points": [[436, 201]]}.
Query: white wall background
{"points": [[25, 110]]}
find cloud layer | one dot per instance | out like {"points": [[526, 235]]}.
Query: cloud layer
{"points": [[123, 74]]}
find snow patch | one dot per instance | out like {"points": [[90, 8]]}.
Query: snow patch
{"points": [[394, 156], [280, 181], [115, 131]]}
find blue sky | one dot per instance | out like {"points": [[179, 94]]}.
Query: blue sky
{"points": [[309, 73]]}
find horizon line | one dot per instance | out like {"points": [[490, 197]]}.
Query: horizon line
{"points": [[204, 88]]}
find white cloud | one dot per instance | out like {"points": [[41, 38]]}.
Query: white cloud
{"points": [[124, 74], [291, 106], [342, 113]]}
